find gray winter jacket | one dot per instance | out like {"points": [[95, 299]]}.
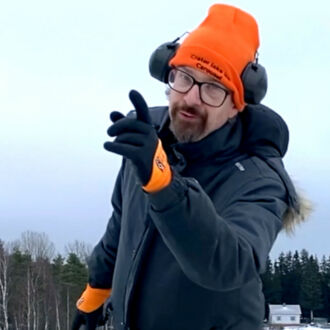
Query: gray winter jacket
{"points": [[189, 257]]}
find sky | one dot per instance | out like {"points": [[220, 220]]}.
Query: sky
{"points": [[65, 65]]}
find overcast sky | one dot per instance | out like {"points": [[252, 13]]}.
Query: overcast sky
{"points": [[64, 65]]}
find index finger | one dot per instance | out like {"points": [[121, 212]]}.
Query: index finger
{"points": [[142, 110]]}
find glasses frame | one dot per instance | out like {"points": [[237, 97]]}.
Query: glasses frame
{"points": [[199, 84]]}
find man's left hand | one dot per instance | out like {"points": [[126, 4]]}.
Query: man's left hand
{"points": [[137, 140]]}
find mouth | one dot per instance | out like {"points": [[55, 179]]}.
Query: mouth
{"points": [[188, 115]]}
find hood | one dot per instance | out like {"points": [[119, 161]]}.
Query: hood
{"points": [[266, 135]]}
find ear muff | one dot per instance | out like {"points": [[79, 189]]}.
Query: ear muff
{"points": [[254, 79], [254, 76], [158, 63]]}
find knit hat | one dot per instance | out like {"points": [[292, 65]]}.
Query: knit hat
{"points": [[222, 45]]}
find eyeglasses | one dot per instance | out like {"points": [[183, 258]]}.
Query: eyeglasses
{"points": [[210, 93]]}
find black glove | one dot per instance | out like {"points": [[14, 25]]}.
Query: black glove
{"points": [[136, 138], [90, 320]]}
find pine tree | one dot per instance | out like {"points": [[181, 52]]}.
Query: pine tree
{"points": [[267, 285], [19, 303], [59, 292], [74, 279], [325, 285], [285, 265], [311, 299], [277, 285], [291, 278]]}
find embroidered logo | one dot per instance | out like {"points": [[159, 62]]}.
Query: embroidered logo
{"points": [[80, 301], [160, 164]]}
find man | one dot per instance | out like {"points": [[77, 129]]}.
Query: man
{"points": [[200, 198]]}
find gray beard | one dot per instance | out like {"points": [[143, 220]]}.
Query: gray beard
{"points": [[184, 136]]}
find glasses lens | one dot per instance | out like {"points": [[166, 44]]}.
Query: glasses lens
{"points": [[180, 81], [212, 94]]}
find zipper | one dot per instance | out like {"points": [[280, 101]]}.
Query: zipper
{"points": [[135, 253]]}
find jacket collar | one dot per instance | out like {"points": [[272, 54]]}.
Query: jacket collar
{"points": [[257, 131], [223, 142]]}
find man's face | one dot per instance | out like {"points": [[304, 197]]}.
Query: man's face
{"points": [[191, 119]]}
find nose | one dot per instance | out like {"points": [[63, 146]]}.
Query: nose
{"points": [[193, 98]]}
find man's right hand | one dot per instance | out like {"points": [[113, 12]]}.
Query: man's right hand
{"points": [[90, 320]]}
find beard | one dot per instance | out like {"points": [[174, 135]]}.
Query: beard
{"points": [[187, 130]]}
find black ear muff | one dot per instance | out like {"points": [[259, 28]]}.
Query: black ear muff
{"points": [[158, 63], [254, 79]]}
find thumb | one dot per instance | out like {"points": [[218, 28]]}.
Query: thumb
{"points": [[115, 116], [77, 321], [142, 111]]}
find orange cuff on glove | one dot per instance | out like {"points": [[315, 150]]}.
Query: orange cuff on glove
{"points": [[92, 298], [161, 174]]}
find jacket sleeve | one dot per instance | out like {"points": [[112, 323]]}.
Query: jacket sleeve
{"points": [[220, 252], [102, 260]]}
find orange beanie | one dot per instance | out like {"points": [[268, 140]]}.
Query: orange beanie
{"points": [[222, 45]]}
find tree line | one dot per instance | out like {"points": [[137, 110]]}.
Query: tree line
{"points": [[39, 288], [299, 278]]}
